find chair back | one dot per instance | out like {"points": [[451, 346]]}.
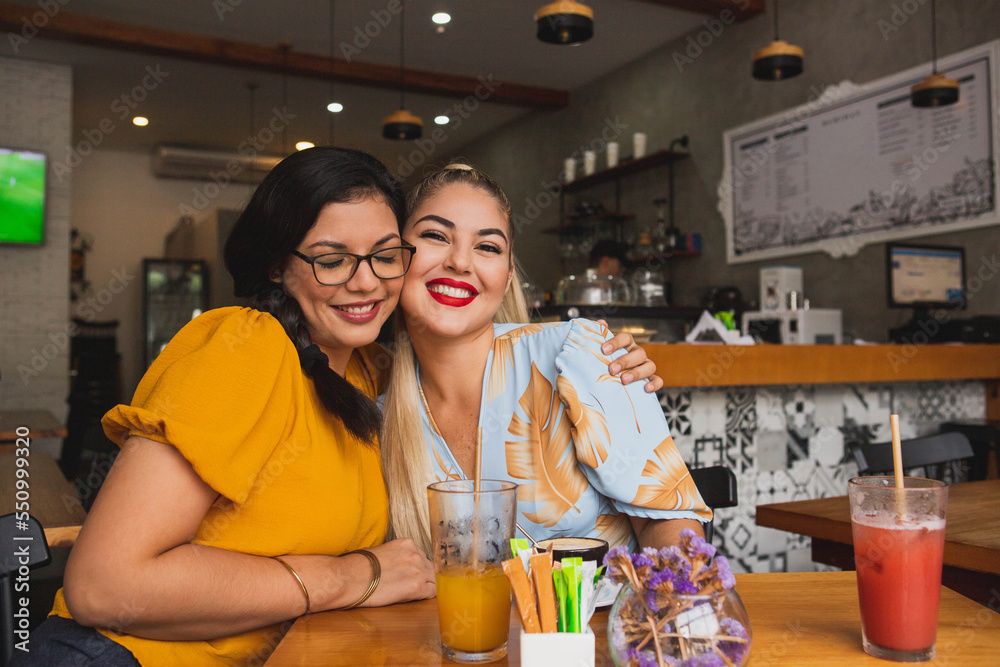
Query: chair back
{"points": [[717, 486], [22, 544], [932, 450]]}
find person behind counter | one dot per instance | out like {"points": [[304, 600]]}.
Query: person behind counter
{"points": [[592, 456], [608, 258], [248, 490]]}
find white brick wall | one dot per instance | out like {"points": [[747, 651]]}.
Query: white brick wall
{"points": [[36, 113]]}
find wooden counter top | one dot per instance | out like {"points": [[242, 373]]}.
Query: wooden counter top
{"points": [[687, 365]]}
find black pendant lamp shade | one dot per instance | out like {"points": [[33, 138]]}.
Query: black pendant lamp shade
{"points": [[565, 22], [402, 125], [937, 90], [778, 60]]}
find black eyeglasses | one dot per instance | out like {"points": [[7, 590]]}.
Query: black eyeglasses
{"points": [[336, 268]]}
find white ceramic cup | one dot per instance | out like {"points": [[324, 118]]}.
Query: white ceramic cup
{"points": [[569, 169], [638, 145], [612, 154], [589, 162]]}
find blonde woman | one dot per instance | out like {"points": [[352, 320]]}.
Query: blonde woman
{"points": [[593, 456]]}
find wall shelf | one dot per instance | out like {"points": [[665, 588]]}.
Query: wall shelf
{"points": [[623, 169]]}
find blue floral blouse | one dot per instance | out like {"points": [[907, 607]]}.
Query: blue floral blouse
{"points": [[584, 449]]}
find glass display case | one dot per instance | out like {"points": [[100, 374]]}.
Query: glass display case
{"points": [[174, 292]]}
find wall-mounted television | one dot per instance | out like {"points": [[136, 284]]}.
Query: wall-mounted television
{"points": [[925, 277], [22, 196]]}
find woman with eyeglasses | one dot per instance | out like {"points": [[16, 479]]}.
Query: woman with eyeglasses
{"points": [[248, 490]]}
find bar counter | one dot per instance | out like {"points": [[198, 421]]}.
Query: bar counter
{"points": [[706, 365]]}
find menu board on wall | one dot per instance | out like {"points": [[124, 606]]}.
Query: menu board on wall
{"points": [[861, 165]]}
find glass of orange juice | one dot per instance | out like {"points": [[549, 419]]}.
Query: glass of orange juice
{"points": [[470, 538]]}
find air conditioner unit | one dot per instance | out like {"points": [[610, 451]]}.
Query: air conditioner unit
{"points": [[209, 164]]}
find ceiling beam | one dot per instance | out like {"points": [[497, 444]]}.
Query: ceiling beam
{"points": [[81, 29], [742, 9]]}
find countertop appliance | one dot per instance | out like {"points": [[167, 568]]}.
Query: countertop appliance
{"points": [[811, 326]]}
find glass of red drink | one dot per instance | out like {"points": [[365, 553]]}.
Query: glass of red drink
{"points": [[898, 549]]}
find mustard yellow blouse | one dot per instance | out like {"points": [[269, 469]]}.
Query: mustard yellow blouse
{"points": [[228, 392]]}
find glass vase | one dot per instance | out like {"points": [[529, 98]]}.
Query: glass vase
{"points": [[702, 630]]}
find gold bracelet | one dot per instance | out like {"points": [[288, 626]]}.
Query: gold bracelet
{"points": [[377, 571], [297, 578]]}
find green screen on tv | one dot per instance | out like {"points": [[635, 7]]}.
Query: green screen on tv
{"points": [[22, 196]]}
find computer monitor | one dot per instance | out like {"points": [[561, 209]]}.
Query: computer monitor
{"points": [[925, 277]]}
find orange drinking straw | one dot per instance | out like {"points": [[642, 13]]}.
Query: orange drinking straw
{"points": [[897, 451], [897, 465]]}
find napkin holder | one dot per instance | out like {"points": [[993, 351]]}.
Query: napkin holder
{"points": [[544, 649]]}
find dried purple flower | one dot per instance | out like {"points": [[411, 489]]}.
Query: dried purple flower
{"points": [[704, 660], [734, 650], [699, 548], [723, 572]]}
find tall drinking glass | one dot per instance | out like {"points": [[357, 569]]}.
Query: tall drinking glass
{"points": [[470, 538], [898, 550]]}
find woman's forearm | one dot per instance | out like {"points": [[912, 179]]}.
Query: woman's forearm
{"points": [[199, 592]]}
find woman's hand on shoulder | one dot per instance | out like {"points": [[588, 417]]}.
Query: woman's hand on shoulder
{"points": [[407, 574], [634, 365]]}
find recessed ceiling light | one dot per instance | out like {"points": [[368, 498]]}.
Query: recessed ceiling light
{"points": [[335, 107], [141, 121], [441, 18], [302, 145], [442, 120]]}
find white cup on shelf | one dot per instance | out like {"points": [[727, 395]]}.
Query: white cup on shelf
{"points": [[639, 145], [589, 162], [612, 154], [569, 170]]}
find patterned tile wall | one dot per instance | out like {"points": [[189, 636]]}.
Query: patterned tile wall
{"points": [[793, 443]]}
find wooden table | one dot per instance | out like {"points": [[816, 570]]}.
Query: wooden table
{"points": [[807, 618], [53, 500], [40, 424], [972, 534]]}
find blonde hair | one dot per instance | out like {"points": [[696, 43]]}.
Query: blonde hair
{"points": [[406, 461]]}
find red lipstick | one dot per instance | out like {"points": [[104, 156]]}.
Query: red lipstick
{"points": [[448, 300]]}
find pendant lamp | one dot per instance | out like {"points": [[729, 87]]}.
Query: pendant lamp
{"points": [[779, 59], [565, 22], [936, 90], [402, 124]]}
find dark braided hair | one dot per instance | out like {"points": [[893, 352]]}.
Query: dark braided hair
{"points": [[281, 211]]}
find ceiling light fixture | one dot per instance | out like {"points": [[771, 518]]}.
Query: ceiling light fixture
{"points": [[441, 18], [779, 59], [565, 22], [334, 107], [140, 121], [302, 145], [936, 90], [441, 120], [402, 124]]}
